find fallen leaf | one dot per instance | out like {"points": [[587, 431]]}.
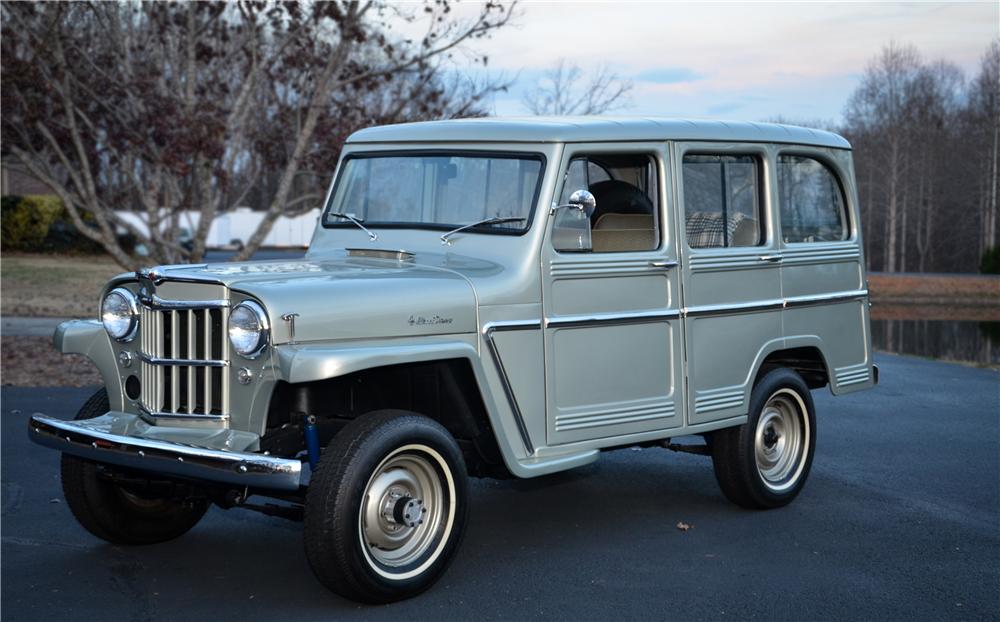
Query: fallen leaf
{"points": [[683, 526]]}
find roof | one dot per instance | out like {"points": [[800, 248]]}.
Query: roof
{"points": [[593, 129]]}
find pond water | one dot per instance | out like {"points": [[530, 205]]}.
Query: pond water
{"points": [[952, 340]]}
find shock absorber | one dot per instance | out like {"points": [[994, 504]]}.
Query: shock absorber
{"points": [[312, 441]]}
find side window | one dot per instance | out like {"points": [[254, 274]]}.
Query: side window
{"points": [[626, 189], [722, 200], [812, 203]]}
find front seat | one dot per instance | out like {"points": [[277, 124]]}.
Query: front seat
{"points": [[614, 196]]}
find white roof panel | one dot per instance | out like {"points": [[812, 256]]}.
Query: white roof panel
{"points": [[593, 129]]}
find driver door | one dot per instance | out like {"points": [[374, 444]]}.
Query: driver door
{"points": [[613, 346]]}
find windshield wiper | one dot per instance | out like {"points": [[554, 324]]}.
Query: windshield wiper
{"points": [[496, 220], [356, 221]]}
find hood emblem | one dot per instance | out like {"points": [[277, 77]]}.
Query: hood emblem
{"points": [[290, 318]]}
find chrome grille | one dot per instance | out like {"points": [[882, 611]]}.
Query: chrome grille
{"points": [[184, 355]]}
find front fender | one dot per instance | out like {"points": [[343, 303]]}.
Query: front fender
{"points": [[319, 361], [309, 362], [88, 337]]}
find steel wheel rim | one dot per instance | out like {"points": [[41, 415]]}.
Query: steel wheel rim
{"points": [[781, 440], [407, 511]]}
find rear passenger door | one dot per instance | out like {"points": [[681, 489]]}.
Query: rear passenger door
{"points": [[731, 272], [823, 282]]}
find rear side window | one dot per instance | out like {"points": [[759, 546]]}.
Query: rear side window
{"points": [[722, 205], [812, 202]]}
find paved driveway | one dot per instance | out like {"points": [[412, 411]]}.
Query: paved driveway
{"points": [[900, 520]]}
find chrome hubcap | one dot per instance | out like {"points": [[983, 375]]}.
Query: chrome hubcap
{"points": [[781, 440], [408, 508]]}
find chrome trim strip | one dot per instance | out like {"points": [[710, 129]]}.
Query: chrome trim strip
{"points": [[488, 331], [155, 303], [819, 299], [155, 274], [155, 360], [611, 319], [727, 309], [772, 305], [237, 468], [145, 413], [376, 253]]}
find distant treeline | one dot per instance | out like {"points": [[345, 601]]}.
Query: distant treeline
{"points": [[926, 141]]}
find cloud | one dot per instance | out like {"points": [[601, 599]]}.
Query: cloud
{"points": [[725, 107], [669, 75]]}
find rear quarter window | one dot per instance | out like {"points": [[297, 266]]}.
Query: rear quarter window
{"points": [[811, 200]]}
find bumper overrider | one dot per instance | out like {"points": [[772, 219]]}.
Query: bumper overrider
{"points": [[84, 439]]}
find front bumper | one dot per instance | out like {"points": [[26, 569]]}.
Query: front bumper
{"points": [[166, 457]]}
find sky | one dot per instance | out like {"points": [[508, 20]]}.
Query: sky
{"points": [[748, 61]]}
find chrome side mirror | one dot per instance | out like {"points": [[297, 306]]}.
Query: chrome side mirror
{"points": [[571, 226], [582, 200]]}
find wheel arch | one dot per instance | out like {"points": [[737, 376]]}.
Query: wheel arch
{"points": [[443, 381], [803, 355]]}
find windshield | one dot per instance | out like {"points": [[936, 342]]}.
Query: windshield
{"points": [[437, 191]]}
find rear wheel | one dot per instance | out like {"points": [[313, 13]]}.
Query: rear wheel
{"points": [[765, 462], [120, 514], [386, 508]]}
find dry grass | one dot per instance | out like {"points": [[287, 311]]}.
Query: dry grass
{"points": [[53, 285], [32, 362], [957, 290]]}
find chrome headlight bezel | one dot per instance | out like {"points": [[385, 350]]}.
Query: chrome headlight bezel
{"points": [[263, 331], [132, 303]]}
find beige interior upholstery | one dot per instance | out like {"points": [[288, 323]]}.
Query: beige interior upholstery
{"points": [[623, 232], [746, 233]]}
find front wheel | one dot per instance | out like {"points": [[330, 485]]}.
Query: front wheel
{"points": [[138, 513], [386, 508], [764, 463]]}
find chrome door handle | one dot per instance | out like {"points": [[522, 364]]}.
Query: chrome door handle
{"points": [[771, 258], [666, 264]]}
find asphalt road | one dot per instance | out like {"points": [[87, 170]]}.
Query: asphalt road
{"points": [[900, 520]]}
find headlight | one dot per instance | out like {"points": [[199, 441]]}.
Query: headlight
{"points": [[248, 329], [120, 314]]}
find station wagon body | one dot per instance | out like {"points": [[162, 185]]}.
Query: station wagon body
{"points": [[503, 298]]}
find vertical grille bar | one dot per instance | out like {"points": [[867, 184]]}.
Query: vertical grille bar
{"points": [[224, 349], [191, 330], [175, 338], [207, 372]]}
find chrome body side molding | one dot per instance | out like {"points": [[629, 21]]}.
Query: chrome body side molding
{"points": [[771, 305], [605, 319]]}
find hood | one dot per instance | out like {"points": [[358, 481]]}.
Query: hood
{"points": [[346, 298]]}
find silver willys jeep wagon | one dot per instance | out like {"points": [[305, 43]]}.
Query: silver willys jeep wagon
{"points": [[482, 297]]}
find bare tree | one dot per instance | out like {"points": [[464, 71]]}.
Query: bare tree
{"points": [[166, 107], [926, 154], [565, 90], [984, 114], [879, 105]]}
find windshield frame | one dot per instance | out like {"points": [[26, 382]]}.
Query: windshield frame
{"points": [[429, 226]]}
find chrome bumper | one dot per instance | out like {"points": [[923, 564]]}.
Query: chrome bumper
{"points": [[213, 465]]}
